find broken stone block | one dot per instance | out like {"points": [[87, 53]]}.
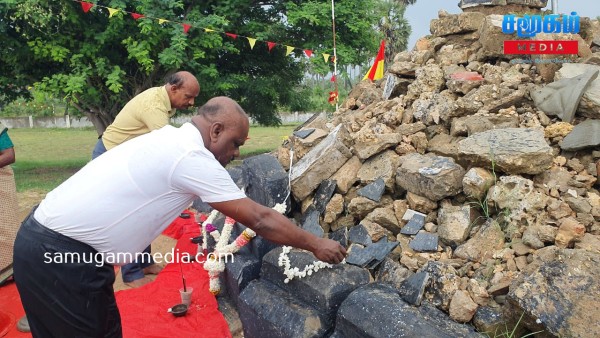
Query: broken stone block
{"points": [[346, 175], [482, 246], [414, 225], [456, 24], [376, 310], [267, 181], [420, 203], [382, 165], [318, 164], [463, 81], [413, 288], [324, 289], [559, 288], [303, 133], [239, 272], [340, 236], [359, 235], [491, 319], [370, 256], [373, 191], [395, 86], [477, 182], [375, 144], [434, 177], [512, 150], [311, 223], [584, 135], [384, 217], [465, 4], [469, 125], [454, 223], [462, 307], [424, 242], [323, 194], [393, 273], [268, 311]]}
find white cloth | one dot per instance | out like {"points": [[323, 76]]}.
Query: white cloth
{"points": [[121, 201]]}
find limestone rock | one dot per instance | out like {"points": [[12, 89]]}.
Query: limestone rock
{"points": [[456, 24], [480, 247], [558, 293], [434, 177], [319, 164], [346, 175], [454, 224], [477, 181], [383, 166], [462, 307], [512, 150]]}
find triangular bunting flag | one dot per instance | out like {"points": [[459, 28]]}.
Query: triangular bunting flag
{"points": [[333, 59], [86, 6], [231, 35], [333, 78], [111, 11], [161, 21], [289, 50], [326, 57], [376, 70], [270, 45], [308, 52], [251, 41], [186, 27], [136, 16], [208, 30]]}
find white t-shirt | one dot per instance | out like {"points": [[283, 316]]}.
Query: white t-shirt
{"points": [[121, 201]]}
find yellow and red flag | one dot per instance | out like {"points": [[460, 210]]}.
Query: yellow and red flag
{"points": [[376, 70]]}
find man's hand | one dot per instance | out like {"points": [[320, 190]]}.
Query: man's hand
{"points": [[330, 251]]}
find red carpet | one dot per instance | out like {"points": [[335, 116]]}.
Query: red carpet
{"points": [[144, 310], [11, 311]]}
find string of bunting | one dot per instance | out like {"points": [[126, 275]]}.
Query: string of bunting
{"points": [[87, 6]]}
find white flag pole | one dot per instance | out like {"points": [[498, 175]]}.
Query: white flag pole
{"points": [[334, 55]]}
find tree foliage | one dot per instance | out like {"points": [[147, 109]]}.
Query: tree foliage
{"points": [[394, 27], [98, 63]]}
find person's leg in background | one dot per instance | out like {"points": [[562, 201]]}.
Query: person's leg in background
{"points": [[133, 274], [99, 149]]}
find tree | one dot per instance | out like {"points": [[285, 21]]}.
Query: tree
{"points": [[99, 63], [394, 27]]}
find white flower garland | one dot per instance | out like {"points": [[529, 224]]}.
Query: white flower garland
{"points": [[215, 265], [291, 273]]}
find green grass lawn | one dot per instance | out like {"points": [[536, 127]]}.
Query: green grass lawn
{"points": [[47, 157]]}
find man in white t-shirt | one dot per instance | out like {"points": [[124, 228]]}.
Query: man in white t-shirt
{"points": [[118, 203]]}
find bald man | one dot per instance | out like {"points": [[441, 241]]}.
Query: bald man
{"points": [[148, 111], [119, 203]]}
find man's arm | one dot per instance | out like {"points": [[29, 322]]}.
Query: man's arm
{"points": [[7, 156], [275, 227]]}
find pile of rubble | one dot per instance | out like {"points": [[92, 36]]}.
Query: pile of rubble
{"points": [[464, 181]]}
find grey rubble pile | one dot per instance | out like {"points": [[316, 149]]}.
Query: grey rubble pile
{"points": [[458, 142], [464, 194]]}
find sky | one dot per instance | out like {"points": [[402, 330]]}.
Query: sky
{"points": [[422, 12]]}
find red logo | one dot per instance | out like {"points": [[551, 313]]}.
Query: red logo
{"points": [[540, 47]]}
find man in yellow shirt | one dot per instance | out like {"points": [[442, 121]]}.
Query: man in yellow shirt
{"points": [[148, 111]]}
